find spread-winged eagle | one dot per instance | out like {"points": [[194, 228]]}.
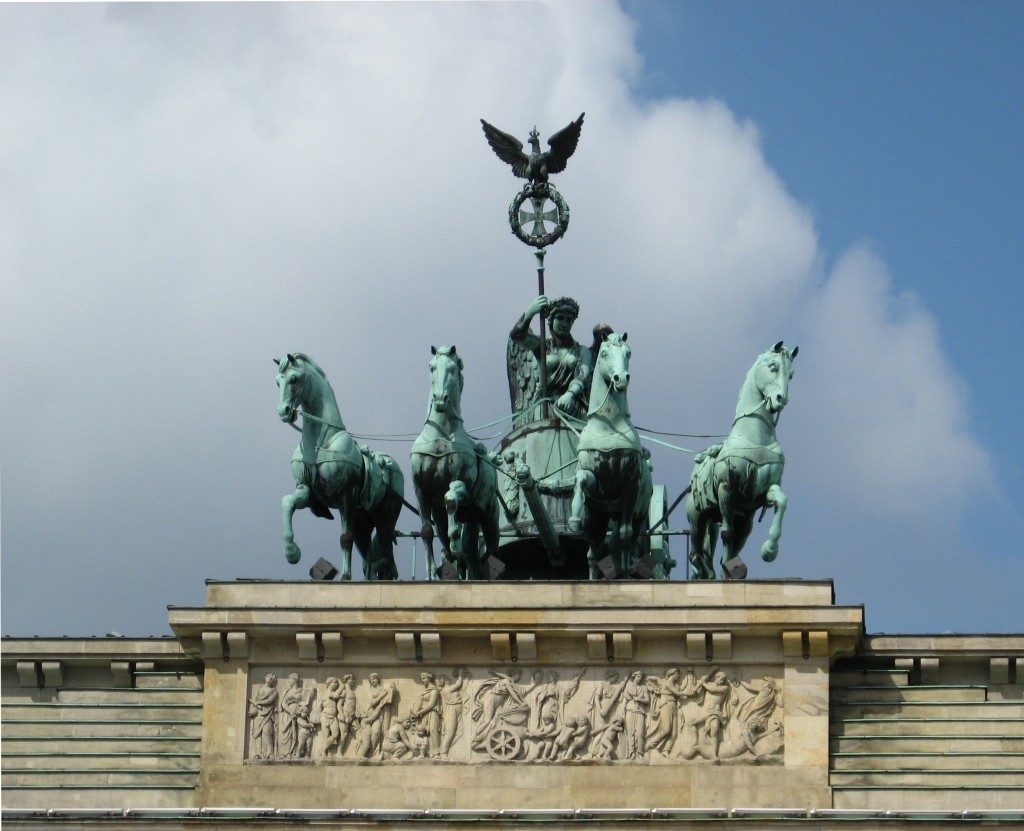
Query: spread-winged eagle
{"points": [[536, 166]]}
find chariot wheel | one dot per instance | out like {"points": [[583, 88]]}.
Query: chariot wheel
{"points": [[503, 745]]}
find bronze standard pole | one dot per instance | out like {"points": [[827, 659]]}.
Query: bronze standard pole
{"points": [[539, 253]]}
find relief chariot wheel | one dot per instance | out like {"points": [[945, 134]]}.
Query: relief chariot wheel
{"points": [[503, 745], [531, 226]]}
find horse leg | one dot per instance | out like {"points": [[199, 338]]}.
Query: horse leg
{"points": [[724, 494], [384, 519], [347, 539], [631, 522], [490, 529], [595, 529], [457, 531], [426, 530], [777, 499], [585, 483], [741, 526], [291, 503], [702, 538], [362, 530]]}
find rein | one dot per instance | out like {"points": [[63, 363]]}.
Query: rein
{"points": [[754, 412]]}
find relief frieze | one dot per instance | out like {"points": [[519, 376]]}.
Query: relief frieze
{"points": [[540, 716]]}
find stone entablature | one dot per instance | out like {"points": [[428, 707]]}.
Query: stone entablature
{"points": [[568, 693], [510, 701]]}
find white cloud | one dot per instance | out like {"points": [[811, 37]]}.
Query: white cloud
{"points": [[886, 408], [195, 189]]}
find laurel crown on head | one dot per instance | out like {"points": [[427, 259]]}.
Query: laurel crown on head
{"points": [[563, 304]]}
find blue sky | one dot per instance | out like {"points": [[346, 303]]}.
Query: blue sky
{"points": [[191, 189], [900, 124]]}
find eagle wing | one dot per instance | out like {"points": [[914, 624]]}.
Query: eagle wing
{"points": [[563, 145], [509, 149]]}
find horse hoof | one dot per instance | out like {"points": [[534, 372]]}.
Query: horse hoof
{"points": [[769, 552], [574, 525], [734, 569], [346, 575], [292, 553]]}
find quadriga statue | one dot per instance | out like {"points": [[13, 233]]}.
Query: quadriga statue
{"points": [[733, 480], [332, 471], [454, 477], [613, 480]]}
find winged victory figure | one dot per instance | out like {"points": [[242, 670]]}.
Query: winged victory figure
{"points": [[536, 166]]}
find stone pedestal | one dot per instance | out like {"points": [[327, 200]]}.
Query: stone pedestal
{"points": [[510, 696]]}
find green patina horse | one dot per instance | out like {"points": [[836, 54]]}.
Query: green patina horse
{"points": [[332, 471], [731, 481], [613, 479], [455, 481]]}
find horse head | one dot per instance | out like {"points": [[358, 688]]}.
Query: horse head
{"points": [[612, 363], [295, 384], [771, 376], [446, 381]]}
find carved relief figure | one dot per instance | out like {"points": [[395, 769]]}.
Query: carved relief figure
{"points": [[337, 714], [399, 743], [452, 705], [263, 713], [304, 729], [608, 740], [427, 712], [290, 702], [717, 691], [604, 700], [752, 708], [377, 719], [580, 740], [499, 699], [636, 705], [666, 697]]}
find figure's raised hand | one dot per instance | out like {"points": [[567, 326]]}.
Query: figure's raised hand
{"points": [[538, 305]]}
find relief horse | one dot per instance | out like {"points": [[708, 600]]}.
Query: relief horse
{"points": [[332, 471], [455, 481], [731, 481], [613, 479]]}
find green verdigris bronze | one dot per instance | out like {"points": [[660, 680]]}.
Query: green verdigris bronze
{"points": [[530, 225], [537, 166], [455, 480], [613, 480], [731, 481], [332, 471], [568, 362]]}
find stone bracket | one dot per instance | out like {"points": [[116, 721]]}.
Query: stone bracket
{"points": [[319, 646], [122, 673], [1004, 670], [514, 646], [708, 646], [920, 670], [28, 674], [804, 644], [225, 645], [418, 646], [53, 673], [609, 646]]}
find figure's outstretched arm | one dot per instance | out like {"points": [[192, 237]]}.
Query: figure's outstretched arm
{"points": [[521, 329]]}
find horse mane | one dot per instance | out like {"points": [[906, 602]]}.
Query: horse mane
{"points": [[601, 333], [304, 357]]}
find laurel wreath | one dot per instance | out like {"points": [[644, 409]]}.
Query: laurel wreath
{"points": [[541, 190]]}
